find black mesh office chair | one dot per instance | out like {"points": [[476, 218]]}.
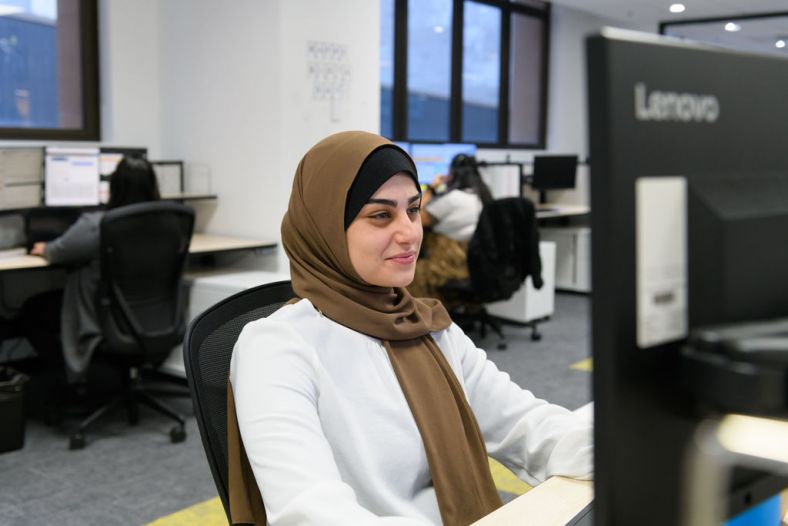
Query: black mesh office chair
{"points": [[503, 251], [207, 349], [143, 249], [48, 223]]}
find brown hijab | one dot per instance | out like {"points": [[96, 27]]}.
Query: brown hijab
{"points": [[313, 236]]}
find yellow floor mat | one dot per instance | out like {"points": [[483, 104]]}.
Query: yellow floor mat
{"points": [[211, 513], [583, 365]]}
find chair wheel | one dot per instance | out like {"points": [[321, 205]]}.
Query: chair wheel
{"points": [[177, 434], [502, 346], [76, 441], [536, 336]]}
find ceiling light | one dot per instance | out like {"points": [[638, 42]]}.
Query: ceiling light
{"points": [[438, 29], [732, 26], [677, 8], [779, 44]]}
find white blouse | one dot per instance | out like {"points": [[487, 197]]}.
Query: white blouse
{"points": [[332, 441], [456, 213]]}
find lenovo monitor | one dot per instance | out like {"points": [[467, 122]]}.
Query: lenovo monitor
{"points": [[689, 202]]}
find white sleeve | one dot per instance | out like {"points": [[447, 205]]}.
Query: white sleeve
{"points": [[273, 373], [439, 207], [533, 438]]}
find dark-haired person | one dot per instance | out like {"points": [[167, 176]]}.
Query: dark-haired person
{"points": [[133, 181], [451, 218], [359, 404]]}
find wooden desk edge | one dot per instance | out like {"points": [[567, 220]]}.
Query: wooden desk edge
{"points": [[200, 244], [553, 503]]}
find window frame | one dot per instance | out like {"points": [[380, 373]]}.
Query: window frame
{"points": [[91, 116], [508, 9]]}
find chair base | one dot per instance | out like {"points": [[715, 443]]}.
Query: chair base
{"points": [[131, 398], [468, 320]]}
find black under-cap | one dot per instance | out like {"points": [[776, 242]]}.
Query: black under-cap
{"points": [[378, 168]]}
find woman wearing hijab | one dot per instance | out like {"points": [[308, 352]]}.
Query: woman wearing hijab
{"points": [[358, 403]]}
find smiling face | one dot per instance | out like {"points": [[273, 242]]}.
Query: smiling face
{"points": [[384, 239]]}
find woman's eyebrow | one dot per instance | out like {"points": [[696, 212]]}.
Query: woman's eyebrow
{"points": [[391, 202]]}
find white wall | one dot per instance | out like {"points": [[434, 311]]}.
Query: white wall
{"points": [[129, 70], [236, 97], [305, 119]]}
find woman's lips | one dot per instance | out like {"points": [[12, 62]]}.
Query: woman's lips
{"points": [[404, 259]]}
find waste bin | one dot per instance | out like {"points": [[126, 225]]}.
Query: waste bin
{"points": [[12, 409]]}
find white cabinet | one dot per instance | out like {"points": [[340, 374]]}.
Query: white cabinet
{"points": [[205, 292], [572, 257], [528, 303]]}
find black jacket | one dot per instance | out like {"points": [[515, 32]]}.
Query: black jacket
{"points": [[504, 249]]}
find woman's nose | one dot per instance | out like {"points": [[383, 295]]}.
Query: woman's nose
{"points": [[408, 230]]}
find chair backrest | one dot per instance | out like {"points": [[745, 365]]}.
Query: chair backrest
{"points": [[504, 249], [143, 249], [207, 350], [48, 223]]}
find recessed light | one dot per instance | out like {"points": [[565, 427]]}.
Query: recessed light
{"points": [[779, 44], [732, 26], [677, 8], [438, 29]]}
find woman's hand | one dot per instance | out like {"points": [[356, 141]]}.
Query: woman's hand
{"points": [[38, 248], [438, 181]]}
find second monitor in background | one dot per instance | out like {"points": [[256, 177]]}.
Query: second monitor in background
{"points": [[553, 172], [433, 160]]}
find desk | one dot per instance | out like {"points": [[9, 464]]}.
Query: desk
{"points": [[200, 244], [555, 502], [548, 210]]}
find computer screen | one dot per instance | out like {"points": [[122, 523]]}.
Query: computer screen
{"points": [[71, 176], [404, 145], [434, 159], [689, 200], [553, 172]]}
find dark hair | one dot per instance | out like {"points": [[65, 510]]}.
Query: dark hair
{"points": [[133, 181], [464, 171]]}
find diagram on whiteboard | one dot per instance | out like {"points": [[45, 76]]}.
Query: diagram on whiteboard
{"points": [[329, 72]]}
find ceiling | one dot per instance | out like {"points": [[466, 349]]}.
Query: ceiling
{"points": [[758, 35]]}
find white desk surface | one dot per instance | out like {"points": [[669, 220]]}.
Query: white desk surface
{"points": [[555, 502], [204, 243], [547, 210], [17, 259]]}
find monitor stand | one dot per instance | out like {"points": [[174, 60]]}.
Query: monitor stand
{"points": [[542, 197]]}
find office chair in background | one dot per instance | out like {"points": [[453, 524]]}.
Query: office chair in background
{"points": [[207, 350], [143, 249], [502, 253]]}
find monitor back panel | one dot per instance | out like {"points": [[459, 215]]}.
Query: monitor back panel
{"points": [[663, 115]]}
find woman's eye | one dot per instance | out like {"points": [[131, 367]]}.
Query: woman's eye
{"points": [[380, 215], [414, 210]]}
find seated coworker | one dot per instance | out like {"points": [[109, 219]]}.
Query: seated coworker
{"points": [[133, 181], [358, 403], [452, 217]]}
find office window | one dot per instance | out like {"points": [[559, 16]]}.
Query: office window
{"points": [[429, 69], [48, 69], [465, 71], [386, 66], [527, 63], [481, 67]]}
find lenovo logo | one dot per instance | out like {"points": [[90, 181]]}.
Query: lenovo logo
{"points": [[672, 106]]}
